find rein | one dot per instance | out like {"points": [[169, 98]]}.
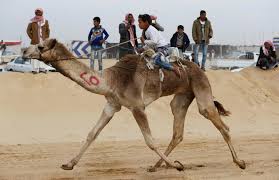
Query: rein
{"points": [[59, 59], [62, 59], [125, 42]]}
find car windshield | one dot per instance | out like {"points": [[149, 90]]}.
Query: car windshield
{"points": [[19, 60]]}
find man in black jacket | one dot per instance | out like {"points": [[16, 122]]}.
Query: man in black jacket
{"points": [[3, 46], [180, 40]]}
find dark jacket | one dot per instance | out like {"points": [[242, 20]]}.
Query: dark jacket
{"points": [[32, 31], [3, 47], [126, 48], [186, 41], [125, 35], [266, 61], [197, 33], [270, 58], [271, 54], [96, 35]]}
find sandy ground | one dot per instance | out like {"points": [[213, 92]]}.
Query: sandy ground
{"points": [[46, 117]]}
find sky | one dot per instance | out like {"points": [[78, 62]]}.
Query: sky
{"points": [[237, 22]]}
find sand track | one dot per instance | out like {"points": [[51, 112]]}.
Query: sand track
{"points": [[203, 159], [45, 118]]}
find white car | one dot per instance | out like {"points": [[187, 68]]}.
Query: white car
{"points": [[2, 68], [28, 65], [249, 56], [7, 56]]}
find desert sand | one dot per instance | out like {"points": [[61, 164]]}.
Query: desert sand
{"points": [[46, 117]]}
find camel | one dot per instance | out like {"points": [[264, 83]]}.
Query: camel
{"points": [[129, 83]]}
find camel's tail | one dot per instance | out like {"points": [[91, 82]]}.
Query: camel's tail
{"points": [[221, 110]]}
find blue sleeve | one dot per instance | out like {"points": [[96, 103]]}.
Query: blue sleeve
{"points": [[187, 41], [106, 34], [89, 35]]}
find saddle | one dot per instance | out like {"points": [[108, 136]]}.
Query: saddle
{"points": [[148, 55]]}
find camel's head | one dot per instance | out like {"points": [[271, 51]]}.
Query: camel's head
{"points": [[47, 51]]}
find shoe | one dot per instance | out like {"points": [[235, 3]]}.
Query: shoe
{"points": [[203, 68]]}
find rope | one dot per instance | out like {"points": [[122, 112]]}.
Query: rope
{"points": [[118, 44], [125, 42], [123, 48]]}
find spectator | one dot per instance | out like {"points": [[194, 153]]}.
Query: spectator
{"points": [[267, 57], [201, 32], [96, 39], [180, 40], [38, 28], [127, 31], [3, 47], [2, 50]]}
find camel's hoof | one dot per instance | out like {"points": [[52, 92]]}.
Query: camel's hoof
{"points": [[180, 167], [151, 169], [241, 164], [66, 167]]}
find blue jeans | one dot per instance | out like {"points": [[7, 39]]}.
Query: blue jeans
{"points": [[95, 52], [163, 64], [203, 46], [162, 51]]}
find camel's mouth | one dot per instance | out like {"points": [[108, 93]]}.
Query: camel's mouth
{"points": [[25, 57], [30, 57]]}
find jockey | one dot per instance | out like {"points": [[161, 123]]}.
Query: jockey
{"points": [[155, 41]]}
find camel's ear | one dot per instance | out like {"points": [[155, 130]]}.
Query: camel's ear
{"points": [[52, 43]]}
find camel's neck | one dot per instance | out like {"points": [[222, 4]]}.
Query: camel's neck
{"points": [[82, 75]]}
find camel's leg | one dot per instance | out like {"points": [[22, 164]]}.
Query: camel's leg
{"points": [[142, 121], [106, 116], [179, 107], [207, 109]]}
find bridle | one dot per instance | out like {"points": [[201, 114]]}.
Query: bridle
{"points": [[59, 59]]}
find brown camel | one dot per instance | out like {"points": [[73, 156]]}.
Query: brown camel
{"points": [[131, 84]]}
